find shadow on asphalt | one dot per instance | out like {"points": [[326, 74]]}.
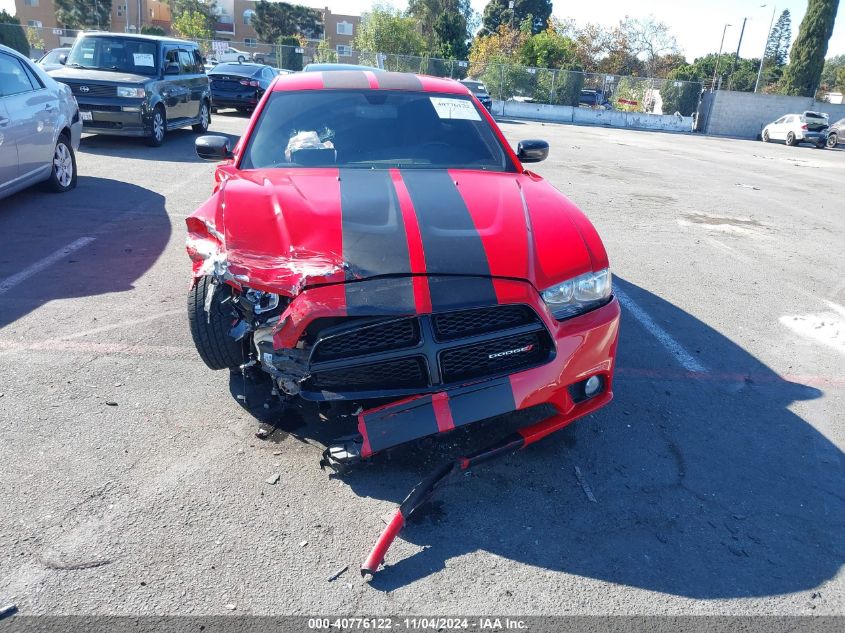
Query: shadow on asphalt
{"points": [[178, 147], [706, 486], [129, 225]]}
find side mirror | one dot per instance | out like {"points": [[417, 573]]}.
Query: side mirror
{"points": [[62, 59], [532, 151], [171, 69], [214, 148]]}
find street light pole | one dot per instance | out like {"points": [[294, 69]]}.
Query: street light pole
{"points": [[765, 46], [719, 58], [736, 57]]}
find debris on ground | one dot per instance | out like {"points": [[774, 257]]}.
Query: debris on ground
{"points": [[9, 609], [303, 543], [744, 186], [231, 606], [264, 432], [338, 573], [273, 479], [111, 403], [584, 485]]}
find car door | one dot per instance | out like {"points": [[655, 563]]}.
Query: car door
{"points": [[174, 91], [194, 78], [31, 113], [8, 147]]}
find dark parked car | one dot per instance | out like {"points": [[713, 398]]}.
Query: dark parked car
{"points": [[593, 99], [835, 134], [239, 86], [480, 91], [137, 85]]}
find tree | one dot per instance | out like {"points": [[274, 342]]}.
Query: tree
{"points": [[152, 29], [274, 20], [12, 34], [33, 36], [680, 96], [288, 57], [500, 47], [83, 14], [833, 75], [192, 25], [806, 59], [196, 18], [444, 24], [780, 37], [549, 49], [498, 13], [387, 30], [648, 39], [325, 53]]}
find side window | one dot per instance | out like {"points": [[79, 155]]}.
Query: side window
{"points": [[34, 79], [268, 74], [186, 63], [13, 77], [171, 56]]}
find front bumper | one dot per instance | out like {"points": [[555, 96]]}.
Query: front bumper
{"points": [[581, 347], [118, 117]]}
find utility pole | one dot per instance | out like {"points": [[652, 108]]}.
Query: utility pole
{"points": [[765, 45], [719, 58], [510, 6], [736, 57]]}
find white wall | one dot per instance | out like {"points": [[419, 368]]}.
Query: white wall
{"points": [[587, 116]]}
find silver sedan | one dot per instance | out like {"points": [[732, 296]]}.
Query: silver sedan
{"points": [[40, 127]]}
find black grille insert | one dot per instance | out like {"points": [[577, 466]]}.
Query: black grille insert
{"points": [[91, 90], [402, 373], [449, 326], [494, 357], [392, 335]]}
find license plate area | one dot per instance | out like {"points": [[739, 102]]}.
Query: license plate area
{"points": [[86, 116]]}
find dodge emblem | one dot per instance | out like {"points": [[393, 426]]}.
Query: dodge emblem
{"points": [[511, 352]]}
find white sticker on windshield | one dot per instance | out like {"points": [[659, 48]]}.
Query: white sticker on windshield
{"points": [[144, 59], [455, 109]]}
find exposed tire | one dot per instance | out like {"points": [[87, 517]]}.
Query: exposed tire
{"points": [[158, 128], [241, 59], [790, 139], [205, 119], [766, 138], [210, 327], [832, 140], [63, 168]]}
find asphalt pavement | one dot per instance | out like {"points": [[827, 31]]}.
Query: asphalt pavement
{"points": [[133, 483]]}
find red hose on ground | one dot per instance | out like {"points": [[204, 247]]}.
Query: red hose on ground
{"points": [[384, 541]]}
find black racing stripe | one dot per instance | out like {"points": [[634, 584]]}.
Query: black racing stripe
{"points": [[450, 240], [398, 81], [394, 426], [374, 238], [345, 80], [476, 404], [391, 296]]}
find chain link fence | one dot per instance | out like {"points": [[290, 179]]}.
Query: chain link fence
{"points": [[504, 82]]}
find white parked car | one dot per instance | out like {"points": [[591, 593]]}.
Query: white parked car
{"points": [[40, 127], [808, 127], [232, 55]]}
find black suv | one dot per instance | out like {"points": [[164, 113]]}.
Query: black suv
{"points": [[137, 85]]}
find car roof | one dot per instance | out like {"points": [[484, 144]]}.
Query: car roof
{"points": [[321, 67], [368, 80], [139, 36]]}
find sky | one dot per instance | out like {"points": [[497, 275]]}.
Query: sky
{"points": [[697, 25]]}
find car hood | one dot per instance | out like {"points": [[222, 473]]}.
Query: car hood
{"points": [[98, 76], [283, 230]]}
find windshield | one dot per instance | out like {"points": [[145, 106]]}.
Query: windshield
{"points": [[373, 129], [120, 54]]}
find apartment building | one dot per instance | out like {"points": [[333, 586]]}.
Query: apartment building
{"points": [[340, 31], [126, 16]]}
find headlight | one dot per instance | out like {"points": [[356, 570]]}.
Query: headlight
{"points": [[578, 295], [126, 91]]}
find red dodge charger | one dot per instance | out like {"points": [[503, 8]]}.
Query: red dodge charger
{"points": [[375, 244]]}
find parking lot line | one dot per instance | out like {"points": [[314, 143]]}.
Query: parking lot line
{"points": [[10, 282], [687, 360]]}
